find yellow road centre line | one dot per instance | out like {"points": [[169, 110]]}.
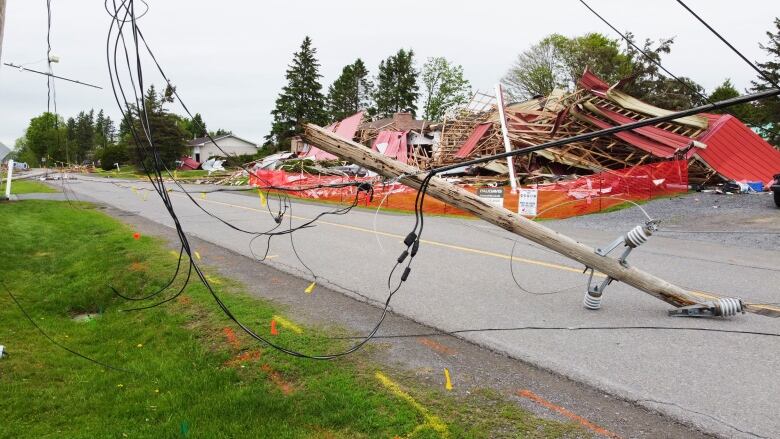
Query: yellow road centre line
{"points": [[465, 249], [424, 241]]}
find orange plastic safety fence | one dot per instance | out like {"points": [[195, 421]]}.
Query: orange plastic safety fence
{"points": [[587, 194]]}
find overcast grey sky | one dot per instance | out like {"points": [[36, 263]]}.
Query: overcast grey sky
{"points": [[228, 57]]}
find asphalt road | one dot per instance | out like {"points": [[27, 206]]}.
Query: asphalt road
{"points": [[726, 384]]}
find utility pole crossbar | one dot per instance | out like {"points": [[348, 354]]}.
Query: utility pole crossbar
{"points": [[508, 220]]}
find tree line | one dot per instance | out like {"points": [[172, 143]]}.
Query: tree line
{"points": [[556, 61], [397, 87], [94, 138]]}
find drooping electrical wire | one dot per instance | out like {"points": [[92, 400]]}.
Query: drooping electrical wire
{"points": [[567, 328], [53, 341], [146, 148], [647, 55], [760, 72]]}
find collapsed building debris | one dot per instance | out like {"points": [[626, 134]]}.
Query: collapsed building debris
{"points": [[576, 178], [716, 147]]}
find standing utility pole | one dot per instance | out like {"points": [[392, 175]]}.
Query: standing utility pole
{"points": [[2, 26]]}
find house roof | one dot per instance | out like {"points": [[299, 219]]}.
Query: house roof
{"points": [[399, 122], [4, 151], [200, 141]]}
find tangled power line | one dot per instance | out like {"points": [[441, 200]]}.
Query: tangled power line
{"points": [[126, 51]]}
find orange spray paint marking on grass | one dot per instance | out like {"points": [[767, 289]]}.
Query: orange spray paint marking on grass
{"points": [[573, 416], [136, 236], [230, 335], [243, 357], [274, 331], [277, 379], [447, 380]]}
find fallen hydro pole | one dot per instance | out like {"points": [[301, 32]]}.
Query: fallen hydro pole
{"points": [[515, 223]]}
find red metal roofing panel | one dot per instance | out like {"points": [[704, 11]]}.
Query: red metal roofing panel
{"points": [[188, 163], [641, 142], [736, 152], [474, 138], [674, 141], [590, 81], [346, 129], [395, 145]]}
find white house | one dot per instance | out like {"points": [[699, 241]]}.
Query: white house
{"points": [[201, 149], [4, 152]]}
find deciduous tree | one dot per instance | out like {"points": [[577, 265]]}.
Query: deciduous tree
{"points": [[444, 87], [45, 138]]}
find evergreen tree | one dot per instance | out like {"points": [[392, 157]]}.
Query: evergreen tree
{"points": [[351, 92], [124, 126], [109, 130], [70, 132], [197, 127], [84, 136], [169, 140], [768, 110], [727, 91], [301, 100], [444, 87], [397, 89], [101, 140]]}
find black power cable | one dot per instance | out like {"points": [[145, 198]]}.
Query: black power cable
{"points": [[568, 328], [646, 55], [53, 341], [147, 146], [730, 46]]}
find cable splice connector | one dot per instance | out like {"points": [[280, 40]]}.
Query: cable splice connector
{"points": [[410, 239], [403, 256], [415, 247]]}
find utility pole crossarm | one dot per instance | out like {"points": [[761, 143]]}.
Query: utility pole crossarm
{"points": [[506, 219]]}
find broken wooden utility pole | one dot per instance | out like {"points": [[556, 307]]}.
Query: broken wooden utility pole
{"points": [[508, 220]]}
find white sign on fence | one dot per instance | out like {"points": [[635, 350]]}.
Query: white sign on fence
{"points": [[492, 195], [528, 202]]}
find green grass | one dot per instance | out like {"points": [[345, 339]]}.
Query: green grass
{"points": [[27, 187], [181, 381], [124, 172], [132, 172]]}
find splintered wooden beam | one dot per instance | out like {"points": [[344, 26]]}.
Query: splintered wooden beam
{"points": [[508, 220]]}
